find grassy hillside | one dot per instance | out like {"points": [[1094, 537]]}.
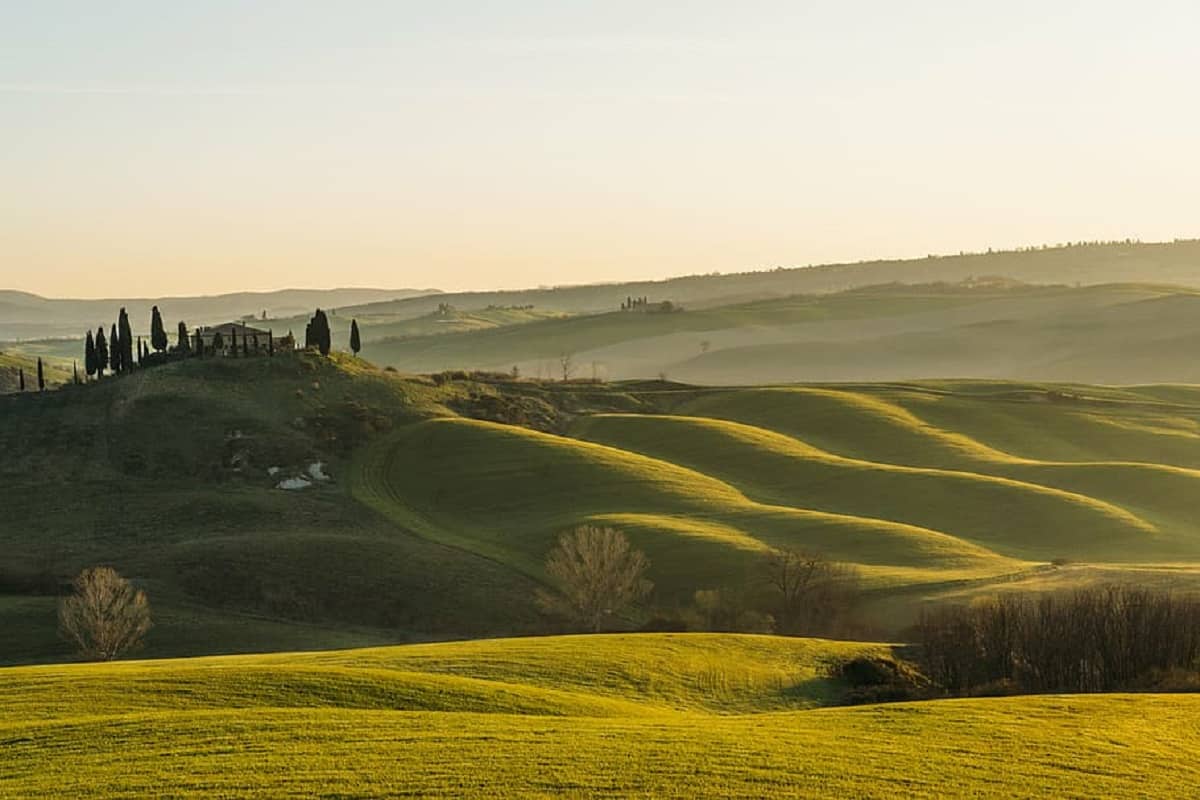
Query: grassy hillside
{"points": [[445, 495], [662, 715], [11, 364], [378, 325], [1117, 333]]}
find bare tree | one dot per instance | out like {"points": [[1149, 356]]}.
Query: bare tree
{"points": [[811, 592], [566, 363], [598, 574], [106, 616]]}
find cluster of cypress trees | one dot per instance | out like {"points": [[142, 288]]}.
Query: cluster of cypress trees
{"points": [[317, 334], [115, 352]]}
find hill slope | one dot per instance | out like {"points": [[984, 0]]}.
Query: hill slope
{"points": [[445, 495], [628, 715], [1120, 333]]}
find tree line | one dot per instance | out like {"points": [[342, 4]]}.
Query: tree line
{"points": [[120, 351], [1096, 639]]}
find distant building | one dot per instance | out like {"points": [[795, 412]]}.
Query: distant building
{"points": [[256, 340]]}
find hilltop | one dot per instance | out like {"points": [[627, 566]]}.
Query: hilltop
{"points": [[662, 715], [447, 491]]}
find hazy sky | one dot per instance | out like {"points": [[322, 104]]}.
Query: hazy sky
{"points": [[182, 147]]}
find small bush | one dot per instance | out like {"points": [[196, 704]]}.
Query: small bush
{"points": [[880, 679]]}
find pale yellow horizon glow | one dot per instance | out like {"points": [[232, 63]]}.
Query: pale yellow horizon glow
{"points": [[255, 146]]}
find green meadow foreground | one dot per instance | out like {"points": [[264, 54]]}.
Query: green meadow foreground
{"points": [[663, 714]]}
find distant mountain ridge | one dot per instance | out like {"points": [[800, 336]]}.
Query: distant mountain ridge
{"points": [[1174, 263], [27, 315]]}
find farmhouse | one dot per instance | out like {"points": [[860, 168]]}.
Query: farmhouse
{"points": [[255, 340]]}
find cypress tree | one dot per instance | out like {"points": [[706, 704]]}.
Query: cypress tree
{"points": [[218, 343], [115, 351], [355, 341], [21, 379], [101, 353], [41, 376], [318, 334], [245, 342], [199, 344], [74, 372], [158, 334], [271, 343], [234, 347], [126, 341], [184, 343], [89, 355]]}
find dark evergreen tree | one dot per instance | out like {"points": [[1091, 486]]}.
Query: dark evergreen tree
{"points": [[234, 346], [89, 355], [126, 341], [74, 372], [271, 343], [318, 335], [115, 350], [184, 343], [21, 379], [355, 341], [41, 376], [158, 334], [199, 348], [218, 343], [101, 353], [245, 342]]}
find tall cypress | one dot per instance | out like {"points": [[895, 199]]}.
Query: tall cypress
{"points": [[245, 342], [355, 341], [158, 334], [115, 350], [101, 353], [271, 343], [126, 341], [199, 344], [21, 378], [234, 346], [317, 335], [74, 372], [41, 376], [184, 343], [89, 355]]}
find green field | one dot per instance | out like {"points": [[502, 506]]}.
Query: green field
{"points": [[438, 515], [650, 714]]}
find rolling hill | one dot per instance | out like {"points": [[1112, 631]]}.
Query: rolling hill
{"points": [[12, 364], [1113, 333], [1132, 321], [661, 715], [446, 493]]}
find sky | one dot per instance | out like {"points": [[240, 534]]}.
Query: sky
{"points": [[152, 148]]}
